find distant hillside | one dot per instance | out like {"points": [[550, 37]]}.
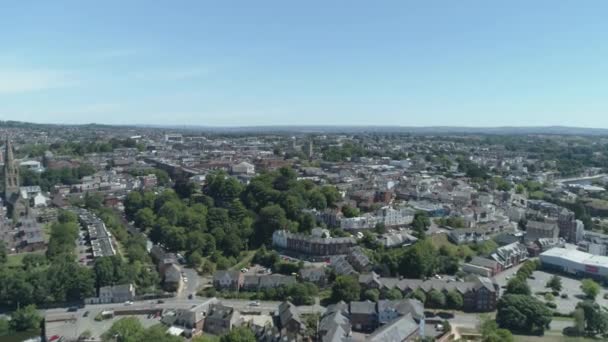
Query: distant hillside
{"points": [[507, 130]]}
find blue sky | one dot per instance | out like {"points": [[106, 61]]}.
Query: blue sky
{"points": [[233, 63]]}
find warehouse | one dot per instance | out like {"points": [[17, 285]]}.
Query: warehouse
{"points": [[575, 262]]}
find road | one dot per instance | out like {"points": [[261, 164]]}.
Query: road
{"points": [[174, 303]]}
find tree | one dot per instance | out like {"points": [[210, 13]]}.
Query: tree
{"points": [[491, 333], [25, 318], [345, 288], [555, 283], [128, 329], [421, 221], [521, 313], [372, 295], [145, 218], [349, 211], [317, 200], [579, 321], [393, 294], [419, 295], [590, 288], [419, 260], [93, 200], [436, 299], [4, 327], [3, 253], [270, 219], [241, 334], [517, 285], [454, 300], [158, 333], [33, 260], [596, 318], [332, 195]]}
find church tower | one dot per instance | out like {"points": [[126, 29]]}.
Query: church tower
{"points": [[11, 173]]}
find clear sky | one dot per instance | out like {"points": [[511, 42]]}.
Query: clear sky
{"points": [[329, 62]]}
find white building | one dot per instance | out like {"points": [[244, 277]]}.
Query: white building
{"points": [[575, 262], [243, 168]]}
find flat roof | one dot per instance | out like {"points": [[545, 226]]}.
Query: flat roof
{"points": [[577, 256]]}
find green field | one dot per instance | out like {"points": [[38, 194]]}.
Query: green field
{"points": [[20, 336], [15, 260]]}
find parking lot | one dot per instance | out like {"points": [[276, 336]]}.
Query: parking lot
{"points": [[570, 286], [76, 323]]}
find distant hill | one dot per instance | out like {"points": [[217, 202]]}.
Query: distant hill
{"points": [[442, 130]]}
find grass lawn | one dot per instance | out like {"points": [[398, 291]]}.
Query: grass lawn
{"points": [[16, 260], [20, 336], [439, 240], [552, 338], [245, 261]]}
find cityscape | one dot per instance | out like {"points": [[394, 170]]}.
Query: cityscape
{"points": [[318, 171]]}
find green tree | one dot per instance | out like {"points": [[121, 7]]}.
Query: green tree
{"points": [[349, 211], [491, 333], [128, 329], [596, 318], [372, 295], [158, 333], [555, 283], [145, 218], [241, 334], [332, 195], [25, 318], [93, 201], [317, 200], [454, 300], [3, 253], [590, 288], [345, 288], [521, 313], [270, 219], [393, 294], [419, 295], [419, 260], [4, 327], [421, 221], [579, 321], [517, 285], [435, 299]]}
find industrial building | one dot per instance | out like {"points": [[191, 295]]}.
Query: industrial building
{"points": [[575, 262]]}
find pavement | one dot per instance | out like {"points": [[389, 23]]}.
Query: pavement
{"points": [[570, 286]]}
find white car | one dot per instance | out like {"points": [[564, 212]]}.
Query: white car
{"points": [[256, 303], [129, 303]]}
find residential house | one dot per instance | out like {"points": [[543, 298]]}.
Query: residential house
{"points": [[315, 275], [221, 319], [359, 260], [469, 235], [370, 281], [388, 310], [363, 316], [113, 294], [511, 255], [402, 329], [537, 230], [482, 266], [172, 278], [311, 245], [289, 319], [228, 280]]}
